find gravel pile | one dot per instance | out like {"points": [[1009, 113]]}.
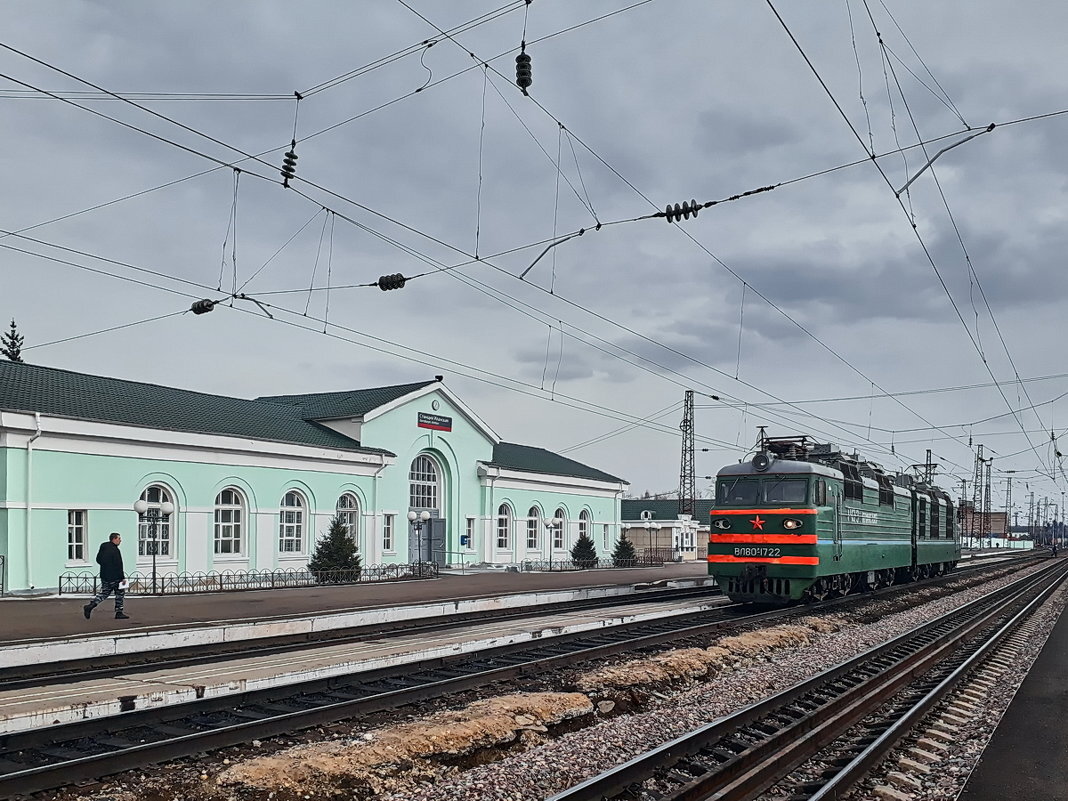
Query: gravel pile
{"points": [[561, 763]]}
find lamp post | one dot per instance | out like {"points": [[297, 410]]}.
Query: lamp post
{"points": [[417, 520], [652, 530], [153, 515], [552, 524]]}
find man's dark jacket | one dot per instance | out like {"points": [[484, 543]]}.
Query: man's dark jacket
{"points": [[110, 560]]}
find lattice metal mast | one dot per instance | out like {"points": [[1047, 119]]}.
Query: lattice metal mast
{"points": [[977, 496], [987, 517], [1008, 505], [687, 479]]}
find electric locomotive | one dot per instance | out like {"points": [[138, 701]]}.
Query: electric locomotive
{"points": [[805, 521]]}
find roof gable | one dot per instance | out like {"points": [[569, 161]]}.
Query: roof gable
{"points": [[62, 393], [527, 458]]}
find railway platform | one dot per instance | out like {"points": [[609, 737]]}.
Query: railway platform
{"points": [[1027, 758], [53, 618]]}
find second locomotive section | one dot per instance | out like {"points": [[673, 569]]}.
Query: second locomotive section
{"points": [[804, 521]]}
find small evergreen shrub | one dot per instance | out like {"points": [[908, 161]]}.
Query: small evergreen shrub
{"points": [[584, 553], [336, 560], [624, 554]]}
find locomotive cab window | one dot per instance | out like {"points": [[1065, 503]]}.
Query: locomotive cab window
{"points": [[737, 492], [785, 490], [820, 492]]}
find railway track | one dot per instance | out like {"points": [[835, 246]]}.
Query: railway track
{"points": [[57, 756], [887, 690]]}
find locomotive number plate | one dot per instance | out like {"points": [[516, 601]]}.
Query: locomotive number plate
{"points": [[772, 552]]}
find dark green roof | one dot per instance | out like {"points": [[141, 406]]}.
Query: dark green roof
{"points": [[29, 388], [662, 508], [538, 460], [347, 403]]}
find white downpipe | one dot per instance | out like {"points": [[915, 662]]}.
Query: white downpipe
{"points": [[375, 538], [29, 495]]}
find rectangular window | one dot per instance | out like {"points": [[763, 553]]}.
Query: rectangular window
{"points": [[227, 530], [290, 531], [921, 517], [470, 534], [558, 536], [387, 532], [934, 519], [821, 492], [76, 535], [886, 491], [532, 533], [606, 533]]}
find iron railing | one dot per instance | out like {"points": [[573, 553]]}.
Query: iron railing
{"points": [[529, 565], [236, 580]]}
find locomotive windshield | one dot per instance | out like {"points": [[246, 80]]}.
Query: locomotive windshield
{"points": [[744, 491]]}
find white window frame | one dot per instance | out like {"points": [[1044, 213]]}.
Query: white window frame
{"points": [[470, 534], [229, 528], [584, 523], [423, 483], [559, 538], [348, 506], [533, 524], [291, 523], [164, 532], [606, 530], [387, 533], [77, 535], [504, 526]]}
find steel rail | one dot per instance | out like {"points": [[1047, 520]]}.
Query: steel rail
{"points": [[737, 756], [861, 764]]}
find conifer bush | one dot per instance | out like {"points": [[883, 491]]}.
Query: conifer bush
{"points": [[584, 552], [624, 554], [336, 559]]}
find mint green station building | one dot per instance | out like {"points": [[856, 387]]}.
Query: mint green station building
{"points": [[254, 483]]}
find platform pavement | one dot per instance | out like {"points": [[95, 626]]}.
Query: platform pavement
{"points": [[1027, 758], [23, 618]]}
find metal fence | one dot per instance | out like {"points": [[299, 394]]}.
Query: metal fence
{"points": [[588, 564], [235, 580]]}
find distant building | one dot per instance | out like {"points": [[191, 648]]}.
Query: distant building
{"points": [[655, 528], [254, 483], [994, 524]]}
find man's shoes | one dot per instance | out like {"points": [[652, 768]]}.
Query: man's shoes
{"points": [[120, 616], [87, 610]]}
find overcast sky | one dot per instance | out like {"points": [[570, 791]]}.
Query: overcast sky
{"points": [[819, 289]]}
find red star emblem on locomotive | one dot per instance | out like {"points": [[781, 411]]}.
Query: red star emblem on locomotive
{"points": [[758, 522]]}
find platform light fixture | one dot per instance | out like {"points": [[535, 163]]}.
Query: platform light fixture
{"points": [[153, 516], [418, 520]]}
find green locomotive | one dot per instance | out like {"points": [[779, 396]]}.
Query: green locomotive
{"points": [[804, 521]]}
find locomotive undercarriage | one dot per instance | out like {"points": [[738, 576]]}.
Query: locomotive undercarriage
{"points": [[755, 586]]}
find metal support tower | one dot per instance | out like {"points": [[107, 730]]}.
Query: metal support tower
{"points": [[687, 480], [1008, 506], [977, 496], [988, 525], [1031, 516]]}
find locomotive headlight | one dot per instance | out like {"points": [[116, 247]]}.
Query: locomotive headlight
{"points": [[791, 523], [722, 523]]}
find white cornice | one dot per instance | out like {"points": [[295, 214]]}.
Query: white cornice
{"points": [[504, 478], [113, 439]]}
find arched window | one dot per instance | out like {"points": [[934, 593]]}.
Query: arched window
{"points": [[558, 531], [229, 521], [423, 484], [157, 528], [584, 523], [291, 523], [348, 510], [504, 526], [533, 522]]}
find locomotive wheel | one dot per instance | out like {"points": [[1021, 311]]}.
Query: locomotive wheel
{"points": [[819, 590]]}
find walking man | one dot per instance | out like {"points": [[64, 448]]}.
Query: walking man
{"points": [[112, 577]]}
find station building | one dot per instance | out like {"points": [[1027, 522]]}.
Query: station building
{"points": [[254, 483], [657, 529]]}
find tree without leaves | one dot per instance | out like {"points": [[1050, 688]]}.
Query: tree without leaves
{"points": [[336, 560], [12, 343], [584, 552], [624, 554]]}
